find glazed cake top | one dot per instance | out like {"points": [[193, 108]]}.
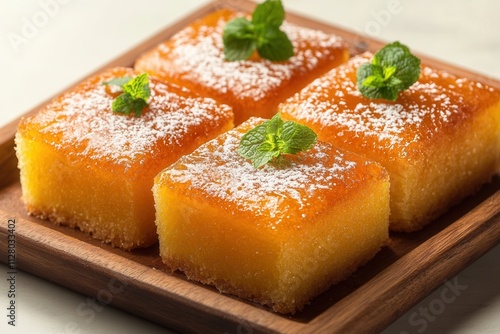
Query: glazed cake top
{"points": [[436, 103], [81, 122], [196, 54], [306, 186]]}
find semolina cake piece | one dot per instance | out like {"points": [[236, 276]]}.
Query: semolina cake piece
{"points": [[439, 141], [194, 58], [85, 166], [276, 235]]}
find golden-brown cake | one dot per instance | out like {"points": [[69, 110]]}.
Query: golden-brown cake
{"points": [[440, 140], [275, 235], [83, 165], [194, 58]]}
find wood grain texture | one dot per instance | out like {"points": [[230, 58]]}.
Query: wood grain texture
{"points": [[403, 273]]}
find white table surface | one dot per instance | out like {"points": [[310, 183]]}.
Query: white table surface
{"points": [[46, 45]]}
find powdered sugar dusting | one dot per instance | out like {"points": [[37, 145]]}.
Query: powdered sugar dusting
{"points": [[219, 172], [199, 57], [334, 103], [84, 121]]}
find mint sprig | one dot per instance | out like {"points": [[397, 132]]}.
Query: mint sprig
{"points": [[270, 140], [136, 92], [392, 70], [118, 81], [242, 37]]}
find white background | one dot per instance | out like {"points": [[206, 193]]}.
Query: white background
{"points": [[47, 45]]}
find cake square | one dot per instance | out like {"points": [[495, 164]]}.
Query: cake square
{"points": [[194, 58], [439, 141], [85, 166], [277, 235]]}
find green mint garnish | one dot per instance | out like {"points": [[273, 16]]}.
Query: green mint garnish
{"points": [[134, 98], [392, 69], [118, 81], [269, 140], [242, 37]]}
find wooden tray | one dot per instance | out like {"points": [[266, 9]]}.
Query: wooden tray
{"points": [[400, 275]]}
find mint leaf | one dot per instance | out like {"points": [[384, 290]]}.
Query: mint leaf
{"points": [[264, 157], [126, 104], [138, 87], [250, 142], [269, 13], [239, 39], [242, 37], [275, 45], [297, 137], [392, 69], [134, 98], [373, 85], [118, 81], [270, 140]]}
